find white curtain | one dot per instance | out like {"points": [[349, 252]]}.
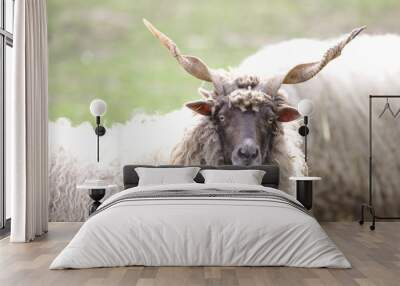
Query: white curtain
{"points": [[28, 124]]}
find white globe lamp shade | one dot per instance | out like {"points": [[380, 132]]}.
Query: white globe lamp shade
{"points": [[98, 107], [305, 107]]}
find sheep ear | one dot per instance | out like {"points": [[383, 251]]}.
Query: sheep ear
{"points": [[287, 113], [201, 107]]}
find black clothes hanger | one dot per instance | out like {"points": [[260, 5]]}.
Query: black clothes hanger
{"points": [[387, 107]]}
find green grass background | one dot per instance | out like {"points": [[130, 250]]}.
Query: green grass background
{"points": [[101, 49]]}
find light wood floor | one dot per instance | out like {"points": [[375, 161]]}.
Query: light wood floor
{"points": [[375, 257]]}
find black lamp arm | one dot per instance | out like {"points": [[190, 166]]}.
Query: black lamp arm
{"points": [[305, 138], [303, 131], [100, 131]]}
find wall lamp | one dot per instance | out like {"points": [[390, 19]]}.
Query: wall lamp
{"points": [[98, 108]]}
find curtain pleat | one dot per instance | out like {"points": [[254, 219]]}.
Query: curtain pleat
{"points": [[29, 165]]}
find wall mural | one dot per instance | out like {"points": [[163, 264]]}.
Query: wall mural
{"points": [[243, 115]]}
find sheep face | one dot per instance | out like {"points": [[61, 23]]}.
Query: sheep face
{"points": [[244, 135], [246, 127]]}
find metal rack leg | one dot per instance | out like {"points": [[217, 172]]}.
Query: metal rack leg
{"points": [[374, 216], [371, 211]]}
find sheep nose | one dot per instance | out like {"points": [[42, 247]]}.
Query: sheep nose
{"points": [[248, 151]]}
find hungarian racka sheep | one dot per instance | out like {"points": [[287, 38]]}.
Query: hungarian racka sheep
{"points": [[246, 119]]}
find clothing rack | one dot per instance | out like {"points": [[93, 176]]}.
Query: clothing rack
{"points": [[370, 206]]}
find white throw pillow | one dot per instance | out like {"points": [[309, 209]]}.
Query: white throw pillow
{"points": [[163, 176], [248, 177]]}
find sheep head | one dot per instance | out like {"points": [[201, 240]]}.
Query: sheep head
{"points": [[246, 110], [246, 122]]}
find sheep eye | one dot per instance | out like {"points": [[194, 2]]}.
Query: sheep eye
{"points": [[221, 118], [270, 120]]}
